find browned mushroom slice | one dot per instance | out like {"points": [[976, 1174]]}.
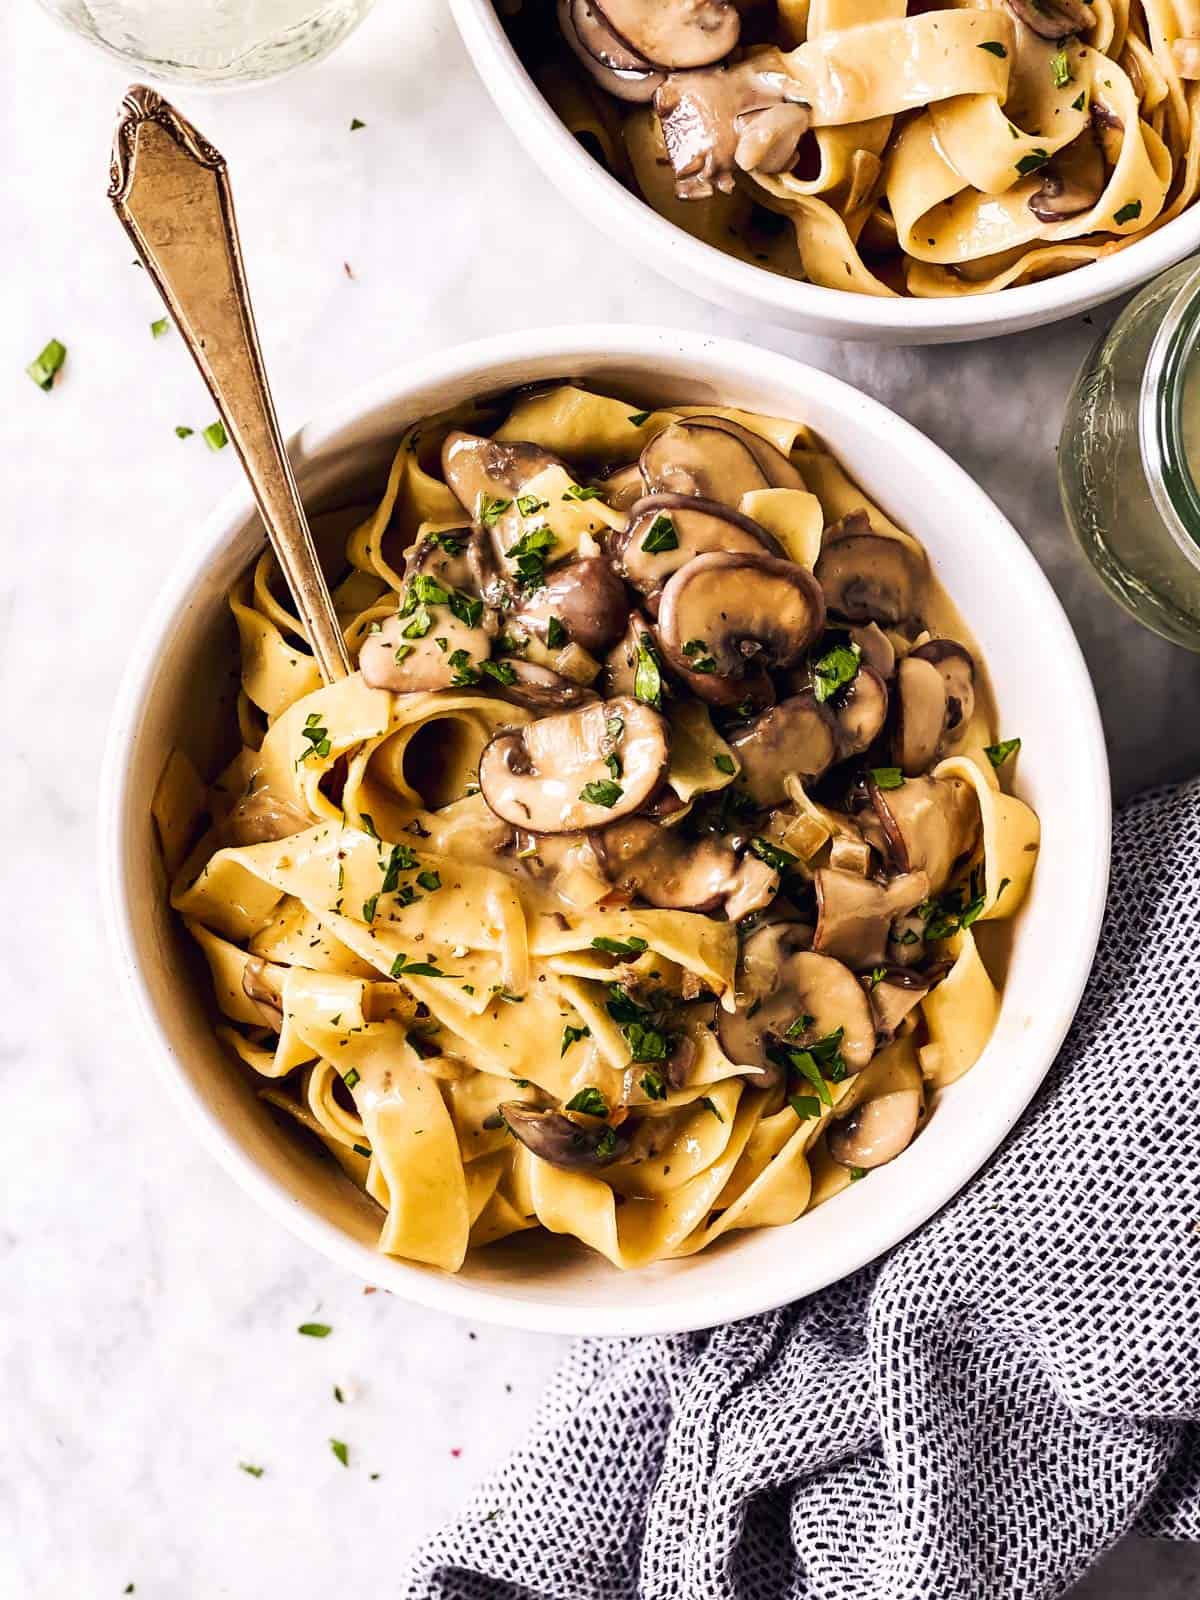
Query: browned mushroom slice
{"points": [[600, 52], [855, 914], [694, 458], [895, 992], [1053, 19], [538, 688], [876, 1131], [929, 825], [581, 602], [622, 487], [580, 769], [792, 998], [957, 668], [1071, 185], [861, 711], [673, 33], [875, 648], [867, 577], [557, 1140], [261, 816], [751, 116], [921, 707], [487, 477], [665, 531], [619, 675], [796, 738], [259, 986], [676, 873], [726, 621], [775, 466]]}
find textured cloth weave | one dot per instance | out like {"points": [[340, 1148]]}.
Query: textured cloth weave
{"points": [[981, 1415]]}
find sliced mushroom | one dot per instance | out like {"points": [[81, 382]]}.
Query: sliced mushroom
{"points": [[577, 770], [876, 1131], [956, 665], [428, 646], [539, 688], [861, 711], [585, 598], [261, 816], [868, 577], [665, 531], [685, 458], [676, 34], [1060, 195], [876, 649], [1053, 19], [727, 620], [751, 116], [622, 487], [921, 709], [929, 825], [676, 873], [621, 662], [855, 914], [595, 45], [488, 478], [896, 993], [794, 995], [557, 1140], [260, 987], [798, 737]]}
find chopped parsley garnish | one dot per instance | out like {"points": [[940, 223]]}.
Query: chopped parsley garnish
{"points": [[182, 432], [341, 1451], [953, 911], [556, 634], [362, 1150], [429, 880], [661, 536], [463, 674], [351, 1078], [403, 967], [602, 793], [315, 1330], [633, 946], [530, 553], [576, 491], [369, 907], [419, 623], [469, 612], [800, 1026], [622, 1008], [1060, 69], [835, 669], [886, 777], [570, 1034], [645, 1044], [1031, 162], [159, 327], [778, 859], [614, 728], [724, 764], [368, 824], [317, 736], [215, 436], [355, 124], [998, 754], [402, 651], [696, 650], [250, 1470], [400, 859], [710, 1105], [1080, 101], [647, 677], [994, 48], [589, 1101], [529, 504], [878, 974], [1128, 213], [427, 591], [606, 1143], [44, 369], [490, 510], [653, 1086], [502, 671], [856, 1173], [806, 1106], [805, 1064], [613, 763], [638, 418]]}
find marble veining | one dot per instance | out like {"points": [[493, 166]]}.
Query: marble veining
{"points": [[148, 1312]]}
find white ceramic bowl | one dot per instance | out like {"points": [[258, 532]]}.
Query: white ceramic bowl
{"points": [[753, 291], [539, 1282]]}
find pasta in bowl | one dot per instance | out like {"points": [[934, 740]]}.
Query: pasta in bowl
{"points": [[631, 885], [928, 154], [366, 957]]}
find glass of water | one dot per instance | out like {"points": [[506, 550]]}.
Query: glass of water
{"points": [[212, 41]]}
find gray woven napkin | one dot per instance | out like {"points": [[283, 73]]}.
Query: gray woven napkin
{"points": [[980, 1415]]}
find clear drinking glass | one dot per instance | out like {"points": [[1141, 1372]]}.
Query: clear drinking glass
{"points": [[212, 41], [1129, 457]]}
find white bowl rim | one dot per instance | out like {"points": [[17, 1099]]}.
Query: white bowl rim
{"points": [[446, 1292], [792, 301]]}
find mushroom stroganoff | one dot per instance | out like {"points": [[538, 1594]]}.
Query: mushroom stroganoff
{"points": [[883, 146], [638, 883]]}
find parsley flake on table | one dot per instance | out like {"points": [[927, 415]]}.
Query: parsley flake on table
{"points": [[46, 366]]}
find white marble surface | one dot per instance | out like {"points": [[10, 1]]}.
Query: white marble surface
{"points": [[147, 1311]]}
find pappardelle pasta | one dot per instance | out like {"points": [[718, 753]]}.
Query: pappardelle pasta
{"points": [[637, 885], [887, 147]]}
